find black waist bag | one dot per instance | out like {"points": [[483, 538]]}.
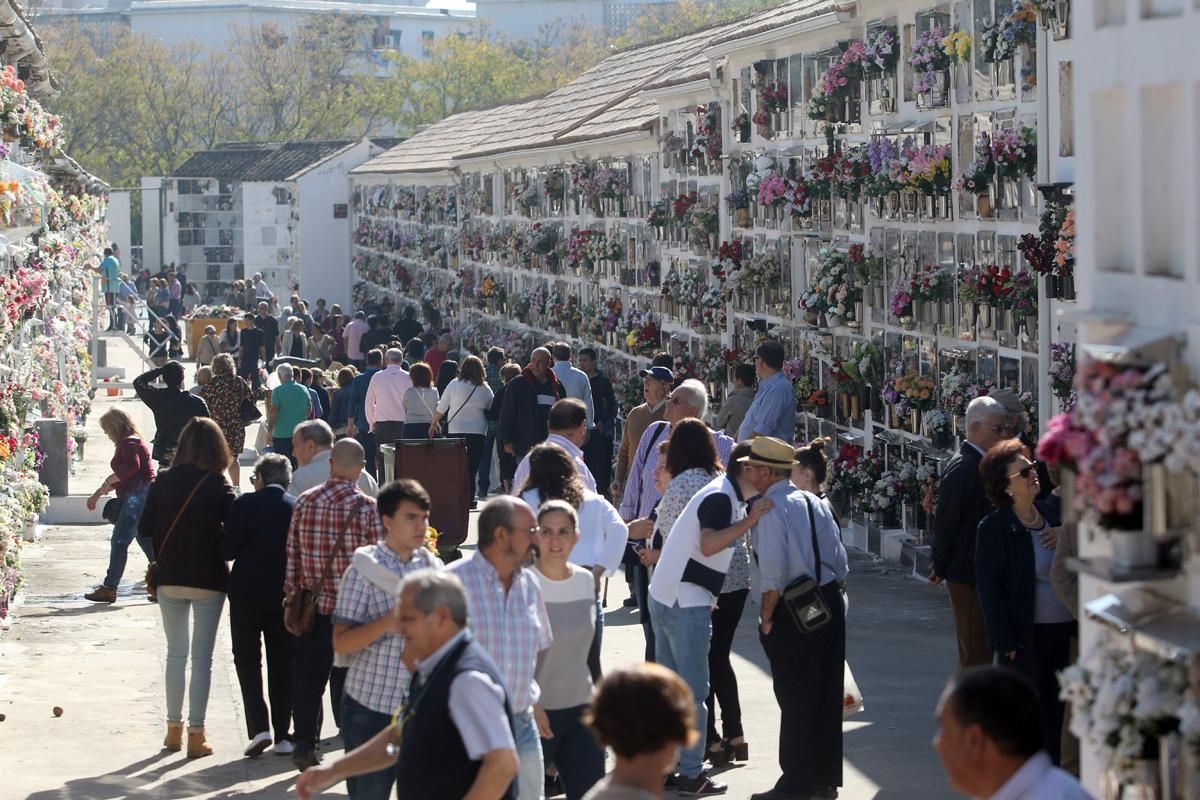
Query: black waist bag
{"points": [[802, 597]]}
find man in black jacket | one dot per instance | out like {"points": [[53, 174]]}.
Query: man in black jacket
{"points": [[961, 504], [598, 452], [527, 401], [256, 541], [270, 331], [173, 407]]}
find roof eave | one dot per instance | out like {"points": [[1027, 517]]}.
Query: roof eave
{"points": [[828, 19]]}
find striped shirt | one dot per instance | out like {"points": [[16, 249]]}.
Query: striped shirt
{"points": [[316, 523], [512, 627], [641, 495], [377, 677]]}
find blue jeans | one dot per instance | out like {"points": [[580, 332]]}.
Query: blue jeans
{"points": [[124, 532], [531, 777], [359, 725], [573, 750], [681, 638], [203, 637]]}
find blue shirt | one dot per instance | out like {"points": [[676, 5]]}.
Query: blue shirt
{"points": [[111, 269], [773, 412], [358, 398], [781, 542], [577, 384]]}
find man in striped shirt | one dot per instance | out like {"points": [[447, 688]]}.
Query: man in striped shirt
{"points": [[508, 617], [315, 561]]}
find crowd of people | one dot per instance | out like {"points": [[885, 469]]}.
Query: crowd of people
{"points": [[340, 580]]}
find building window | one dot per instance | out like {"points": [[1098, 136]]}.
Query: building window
{"points": [[268, 236], [394, 39], [426, 39]]}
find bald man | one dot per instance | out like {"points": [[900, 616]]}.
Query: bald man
{"points": [[331, 513]]}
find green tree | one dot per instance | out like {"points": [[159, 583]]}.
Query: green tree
{"points": [[668, 20]]}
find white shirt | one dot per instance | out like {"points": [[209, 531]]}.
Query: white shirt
{"points": [[682, 545], [585, 474], [464, 406], [316, 472], [262, 291], [385, 395], [602, 532], [1039, 779]]}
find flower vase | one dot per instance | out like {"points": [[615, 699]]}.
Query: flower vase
{"points": [[914, 422], [744, 219], [918, 310], [844, 408], [1067, 292], [856, 323], [780, 123], [855, 408], [983, 206], [811, 317], [1029, 323], [941, 439], [893, 204], [1133, 548], [908, 203], [943, 206], [908, 517], [907, 322]]}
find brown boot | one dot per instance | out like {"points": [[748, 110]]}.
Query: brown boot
{"points": [[103, 594], [174, 738], [197, 746]]}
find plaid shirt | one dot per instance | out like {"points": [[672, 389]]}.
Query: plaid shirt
{"points": [[318, 519], [377, 678], [513, 628], [641, 495]]}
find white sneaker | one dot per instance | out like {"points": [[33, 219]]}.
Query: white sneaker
{"points": [[284, 748], [257, 745]]}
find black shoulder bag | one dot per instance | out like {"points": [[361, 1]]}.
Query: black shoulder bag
{"points": [[802, 597]]}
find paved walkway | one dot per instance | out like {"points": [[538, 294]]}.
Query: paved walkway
{"points": [[103, 666]]}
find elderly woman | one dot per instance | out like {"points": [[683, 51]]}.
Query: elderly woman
{"points": [[185, 515], [225, 394], [420, 402], [295, 343], [132, 474], [1028, 627], [562, 669]]}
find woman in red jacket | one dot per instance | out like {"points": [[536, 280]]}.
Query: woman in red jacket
{"points": [[132, 474]]}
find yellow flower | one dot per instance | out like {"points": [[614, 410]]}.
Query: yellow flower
{"points": [[957, 46]]}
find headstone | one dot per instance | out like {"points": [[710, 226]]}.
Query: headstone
{"points": [[52, 439], [101, 353]]}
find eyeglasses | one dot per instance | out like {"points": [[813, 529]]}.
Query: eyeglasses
{"points": [[1025, 471]]}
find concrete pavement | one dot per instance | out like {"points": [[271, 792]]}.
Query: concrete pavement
{"points": [[103, 666]]}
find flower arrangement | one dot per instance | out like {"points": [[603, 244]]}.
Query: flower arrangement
{"points": [[741, 126], [1015, 152], [957, 47], [738, 199], [928, 58], [917, 391], [1123, 701], [1000, 41], [987, 284], [773, 96], [1064, 247], [883, 160], [1062, 372], [853, 473], [881, 52], [1020, 294], [959, 388], [834, 290], [1039, 251], [682, 204], [861, 367], [978, 176], [772, 190], [757, 271], [708, 136], [703, 220], [660, 214], [929, 169]]}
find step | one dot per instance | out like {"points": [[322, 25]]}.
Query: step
{"points": [[100, 373], [892, 544], [72, 510], [918, 556]]}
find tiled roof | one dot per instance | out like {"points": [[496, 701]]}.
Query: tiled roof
{"points": [[778, 17], [431, 149], [291, 157], [225, 163], [551, 120]]}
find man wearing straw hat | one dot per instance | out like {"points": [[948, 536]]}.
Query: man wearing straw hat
{"points": [[797, 543]]}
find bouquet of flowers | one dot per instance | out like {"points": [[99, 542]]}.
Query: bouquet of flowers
{"points": [[773, 96], [772, 190], [1020, 294], [1015, 152], [660, 214], [957, 47], [1062, 372], [708, 136], [834, 290], [1064, 247], [989, 284], [738, 199], [881, 52], [978, 176], [928, 57], [863, 365], [960, 388], [929, 169], [883, 158], [741, 126], [1001, 40], [759, 271]]}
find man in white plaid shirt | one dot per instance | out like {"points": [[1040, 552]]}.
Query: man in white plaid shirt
{"points": [[508, 617], [364, 626]]}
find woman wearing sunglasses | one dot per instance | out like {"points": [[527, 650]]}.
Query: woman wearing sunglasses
{"points": [[1028, 627]]}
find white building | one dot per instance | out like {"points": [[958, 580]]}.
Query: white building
{"points": [[237, 210]]}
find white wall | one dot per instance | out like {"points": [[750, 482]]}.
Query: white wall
{"points": [[520, 19], [323, 243], [152, 221], [262, 219], [119, 226]]}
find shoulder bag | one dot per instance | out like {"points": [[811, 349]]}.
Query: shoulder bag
{"points": [[152, 567], [249, 408], [802, 597], [449, 419], [300, 602]]}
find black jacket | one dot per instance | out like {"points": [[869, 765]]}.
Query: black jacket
{"points": [[192, 553], [173, 408], [604, 403], [1005, 577], [961, 504], [523, 415], [256, 541]]}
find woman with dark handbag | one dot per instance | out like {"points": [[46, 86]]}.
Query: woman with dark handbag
{"points": [[464, 405], [227, 396], [185, 515], [132, 474]]}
